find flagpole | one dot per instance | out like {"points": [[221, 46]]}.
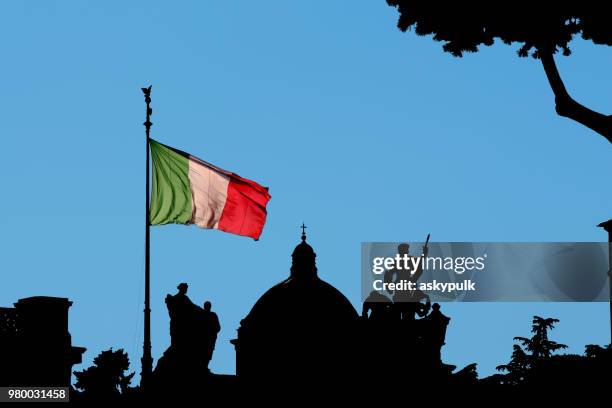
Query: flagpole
{"points": [[147, 359]]}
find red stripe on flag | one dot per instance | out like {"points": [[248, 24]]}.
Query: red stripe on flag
{"points": [[244, 212]]}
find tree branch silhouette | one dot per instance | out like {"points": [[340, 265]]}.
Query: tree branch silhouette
{"points": [[567, 107], [540, 32]]}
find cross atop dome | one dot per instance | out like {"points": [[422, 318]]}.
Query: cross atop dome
{"points": [[303, 227]]}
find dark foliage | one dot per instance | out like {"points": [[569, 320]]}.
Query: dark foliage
{"points": [[536, 348], [534, 366], [538, 345], [106, 379], [464, 26]]}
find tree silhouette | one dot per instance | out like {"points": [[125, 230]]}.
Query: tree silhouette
{"points": [[106, 379], [538, 344], [596, 351], [463, 27], [467, 376], [518, 366]]}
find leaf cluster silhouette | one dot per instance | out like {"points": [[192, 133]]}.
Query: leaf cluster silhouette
{"points": [[106, 378]]}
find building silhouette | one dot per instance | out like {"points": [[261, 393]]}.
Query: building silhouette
{"points": [[304, 333], [35, 345], [300, 328]]}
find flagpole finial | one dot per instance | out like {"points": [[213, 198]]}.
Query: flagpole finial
{"points": [[303, 232], [147, 91], [147, 96]]}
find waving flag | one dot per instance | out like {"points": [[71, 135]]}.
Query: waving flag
{"points": [[187, 190]]}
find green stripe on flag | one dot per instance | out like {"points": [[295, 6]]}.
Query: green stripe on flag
{"points": [[171, 195]]}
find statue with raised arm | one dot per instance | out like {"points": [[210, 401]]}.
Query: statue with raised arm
{"points": [[408, 302]]}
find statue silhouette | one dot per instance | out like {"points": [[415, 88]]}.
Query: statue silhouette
{"points": [[193, 334], [210, 325], [435, 331], [408, 303], [377, 307], [182, 312]]}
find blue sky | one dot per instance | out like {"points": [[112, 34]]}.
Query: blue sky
{"points": [[361, 131]]}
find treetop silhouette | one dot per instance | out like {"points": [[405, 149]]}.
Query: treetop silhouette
{"points": [[106, 378], [536, 348], [539, 345]]}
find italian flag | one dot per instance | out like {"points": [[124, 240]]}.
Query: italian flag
{"points": [[187, 190]]}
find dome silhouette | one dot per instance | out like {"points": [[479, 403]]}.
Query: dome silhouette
{"points": [[302, 321], [302, 297], [300, 301]]}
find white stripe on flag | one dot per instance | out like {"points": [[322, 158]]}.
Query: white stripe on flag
{"points": [[209, 194]]}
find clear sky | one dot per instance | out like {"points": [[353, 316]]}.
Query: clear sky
{"points": [[360, 131]]}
